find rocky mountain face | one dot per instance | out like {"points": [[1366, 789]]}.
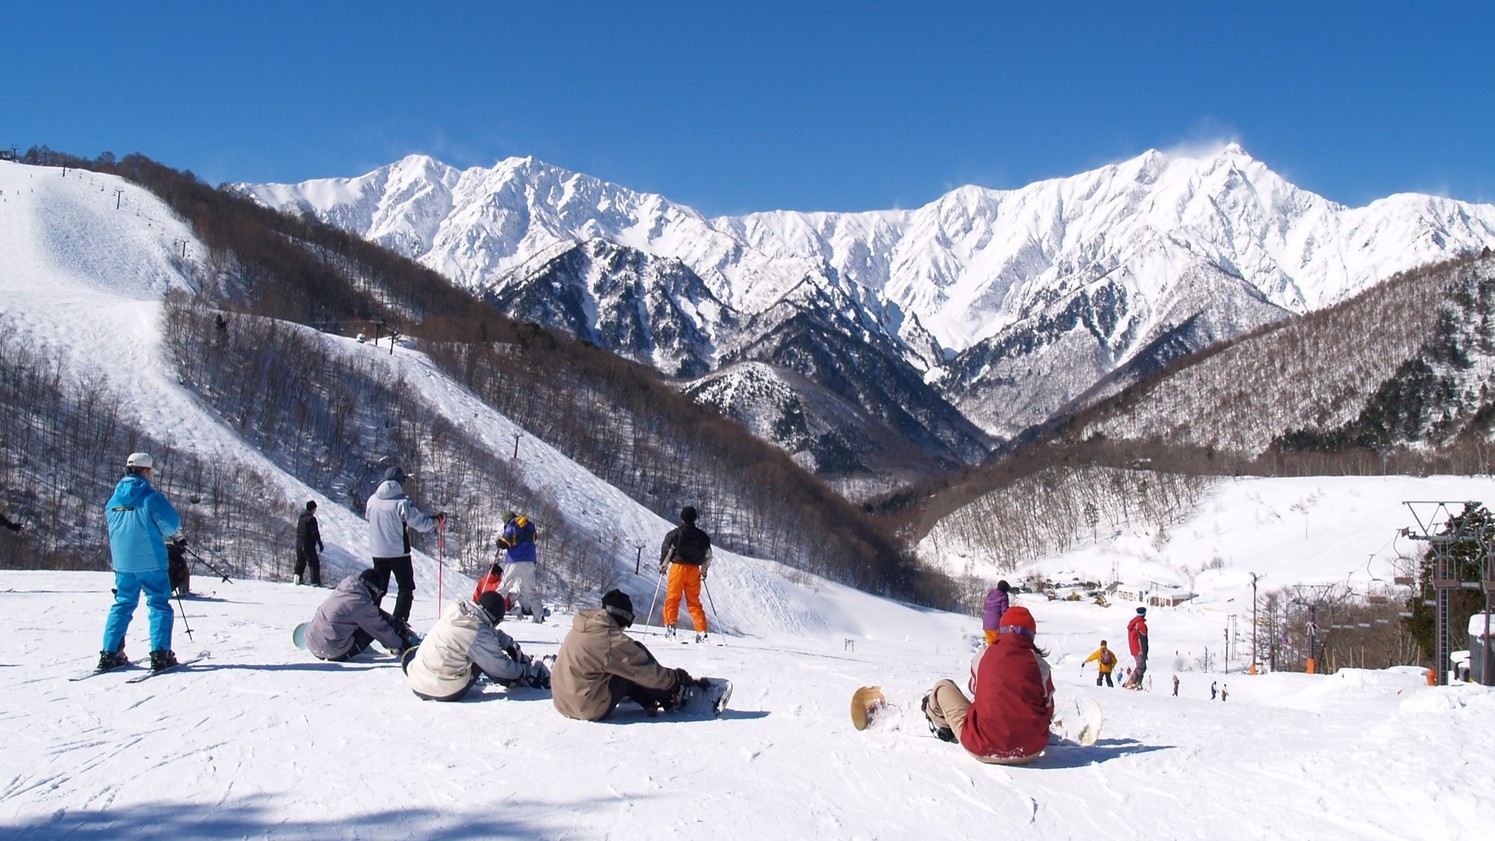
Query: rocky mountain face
{"points": [[948, 326]]}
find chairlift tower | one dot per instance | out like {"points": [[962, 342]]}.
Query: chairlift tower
{"points": [[1434, 524]]}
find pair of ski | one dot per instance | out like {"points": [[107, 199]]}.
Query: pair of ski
{"points": [[1076, 719], [146, 675]]}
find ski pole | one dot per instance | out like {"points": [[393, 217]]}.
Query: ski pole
{"points": [[184, 616], [714, 614], [658, 581], [198, 557], [440, 560]]}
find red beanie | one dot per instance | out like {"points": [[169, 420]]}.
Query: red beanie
{"points": [[1018, 620]]}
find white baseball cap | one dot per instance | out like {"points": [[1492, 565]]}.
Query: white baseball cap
{"points": [[140, 460]]}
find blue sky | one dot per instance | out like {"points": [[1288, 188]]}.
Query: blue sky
{"points": [[765, 105]]}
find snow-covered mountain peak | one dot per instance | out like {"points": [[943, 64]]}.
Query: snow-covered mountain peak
{"points": [[1142, 240]]}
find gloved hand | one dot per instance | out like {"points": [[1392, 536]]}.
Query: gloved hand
{"points": [[664, 567], [441, 517], [516, 654], [179, 541], [683, 677], [536, 675], [703, 573]]}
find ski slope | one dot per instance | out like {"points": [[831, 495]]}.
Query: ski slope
{"points": [[264, 741]]}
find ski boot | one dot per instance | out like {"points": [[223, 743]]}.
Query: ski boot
{"points": [[163, 659], [941, 731], [112, 660]]}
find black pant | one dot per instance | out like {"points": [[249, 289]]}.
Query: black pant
{"points": [[306, 558], [1104, 676], [361, 640], [404, 576], [623, 689]]}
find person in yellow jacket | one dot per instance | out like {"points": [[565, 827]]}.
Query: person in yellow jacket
{"points": [[1106, 659]]}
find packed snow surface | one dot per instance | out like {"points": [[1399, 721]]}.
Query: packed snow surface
{"points": [[262, 740]]}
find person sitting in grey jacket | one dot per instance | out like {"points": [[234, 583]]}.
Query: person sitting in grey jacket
{"points": [[465, 644], [350, 620]]}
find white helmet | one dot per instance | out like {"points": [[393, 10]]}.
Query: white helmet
{"points": [[140, 460]]}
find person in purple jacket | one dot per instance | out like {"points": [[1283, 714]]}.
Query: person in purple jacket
{"points": [[996, 605]]}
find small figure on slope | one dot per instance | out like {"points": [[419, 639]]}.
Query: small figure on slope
{"points": [[1105, 660], [517, 545], [390, 513], [1007, 722], [350, 620], [1212, 690], [140, 522], [599, 666], [465, 644], [996, 604], [308, 544], [1136, 637], [686, 556]]}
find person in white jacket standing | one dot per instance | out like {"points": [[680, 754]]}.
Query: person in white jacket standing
{"points": [[390, 513], [465, 644]]}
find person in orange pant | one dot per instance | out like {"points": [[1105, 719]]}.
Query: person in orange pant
{"points": [[685, 556]]}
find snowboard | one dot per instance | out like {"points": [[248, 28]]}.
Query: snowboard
{"points": [[1076, 719], [867, 703], [708, 696], [298, 636]]}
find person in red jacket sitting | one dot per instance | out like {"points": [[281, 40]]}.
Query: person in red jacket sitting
{"points": [[1007, 723]]}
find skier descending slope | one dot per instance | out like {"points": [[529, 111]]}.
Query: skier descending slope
{"points": [[1007, 723]]}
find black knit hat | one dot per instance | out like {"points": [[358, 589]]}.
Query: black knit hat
{"points": [[617, 603], [494, 605], [372, 582]]}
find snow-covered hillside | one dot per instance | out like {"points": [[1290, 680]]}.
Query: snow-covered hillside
{"points": [[262, 740]]}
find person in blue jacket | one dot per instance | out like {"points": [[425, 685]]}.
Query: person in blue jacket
{"points": [[517, 545], [141, 520]]}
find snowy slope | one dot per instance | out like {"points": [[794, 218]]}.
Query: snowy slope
{"points": [[262, 740], [265, 741]]}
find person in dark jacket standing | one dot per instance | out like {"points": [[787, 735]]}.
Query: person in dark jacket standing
{"points": [[140, 522], [308, 544], [685, 556], [1136, 637], [390, 514]]}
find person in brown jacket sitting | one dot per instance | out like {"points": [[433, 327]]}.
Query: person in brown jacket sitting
{"points": [[599, 666]]}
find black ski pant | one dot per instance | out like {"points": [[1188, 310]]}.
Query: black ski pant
{"points": [[307, 560], [623, 689], [404, 574]]}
